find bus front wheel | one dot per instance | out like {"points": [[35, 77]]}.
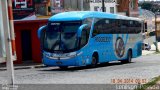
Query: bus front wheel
{"points": [[94, 61]]}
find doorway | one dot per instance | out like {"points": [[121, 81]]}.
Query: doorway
{"points": [[26, 45]]}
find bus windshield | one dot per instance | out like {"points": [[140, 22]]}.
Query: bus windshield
{"points": [[61, 36]]}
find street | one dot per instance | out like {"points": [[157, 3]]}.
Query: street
{"points": [[143, 68]]}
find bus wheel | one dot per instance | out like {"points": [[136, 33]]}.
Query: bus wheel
{"points": [[129, 58], [63, 67], [94, 61]]}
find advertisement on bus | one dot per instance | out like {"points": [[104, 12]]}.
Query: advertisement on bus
{"points": [[23, 9]]}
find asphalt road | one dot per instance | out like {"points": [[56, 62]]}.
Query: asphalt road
{"points": [[141, 70]]}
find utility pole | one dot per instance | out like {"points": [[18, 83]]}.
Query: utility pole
{"points": [[156, 13], [103, 6], [11, 25], [11, 41], [8, 46]]}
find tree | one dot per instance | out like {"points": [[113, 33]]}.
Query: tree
{"points": [[151, 6], [146, 6]]}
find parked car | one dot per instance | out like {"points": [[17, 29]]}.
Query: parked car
{"points": [[146, 46]]}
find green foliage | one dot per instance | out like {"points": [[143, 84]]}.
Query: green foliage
{"points": [[147, 6], [151, 6], [149, 84]]}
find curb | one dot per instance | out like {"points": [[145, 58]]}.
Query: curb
{"points": [[24, 67]]}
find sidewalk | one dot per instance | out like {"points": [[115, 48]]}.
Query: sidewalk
{"points": [[152, 51], [23, 66]]}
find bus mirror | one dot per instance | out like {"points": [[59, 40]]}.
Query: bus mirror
{"points": [[40, 30], [81, 29]]}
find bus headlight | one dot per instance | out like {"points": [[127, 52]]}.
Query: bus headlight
{"points": [[73, 54]]}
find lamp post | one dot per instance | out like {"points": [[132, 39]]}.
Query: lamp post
{"points": [[156, 13], [103, 6]]}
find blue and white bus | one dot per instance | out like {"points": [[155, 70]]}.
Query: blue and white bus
{"points": [[81, 38]]}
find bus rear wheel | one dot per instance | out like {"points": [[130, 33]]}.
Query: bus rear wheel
{"points": [[129, 57], [63, 67]]}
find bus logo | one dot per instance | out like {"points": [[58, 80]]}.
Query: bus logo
{"points": [[119, 47]]}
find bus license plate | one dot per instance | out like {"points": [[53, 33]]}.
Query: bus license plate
{"points": [[58, 62]]}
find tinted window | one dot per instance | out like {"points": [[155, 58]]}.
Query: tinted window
{"points": [[104, 26], [88, 21], [61, 36], [114, 26]]}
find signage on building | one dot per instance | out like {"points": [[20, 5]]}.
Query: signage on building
{"points": [[57, 6], [23, 9]]}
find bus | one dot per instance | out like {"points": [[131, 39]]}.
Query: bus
{"points": [[88, 38]]}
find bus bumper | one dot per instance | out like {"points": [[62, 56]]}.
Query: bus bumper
{"points": [[61, 62]]}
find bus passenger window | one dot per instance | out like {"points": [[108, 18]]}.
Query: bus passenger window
{"points": [[100, 26], [84, 38]]}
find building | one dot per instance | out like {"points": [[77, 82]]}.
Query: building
{"points": [[27, 42], [110, 5], [123, 7], [69, 5], [128, 7], [26, 25], [42, 7]]}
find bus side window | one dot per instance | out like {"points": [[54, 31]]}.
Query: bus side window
{"points": [[119, 27], [109, 26], [131, 27], [125, 27], [85, 36], [139, 27], [102, 26], [97, 27], [87, 29], [88, 21]]}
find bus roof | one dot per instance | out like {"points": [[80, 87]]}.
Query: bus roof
{"points": [[80, 15]]}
